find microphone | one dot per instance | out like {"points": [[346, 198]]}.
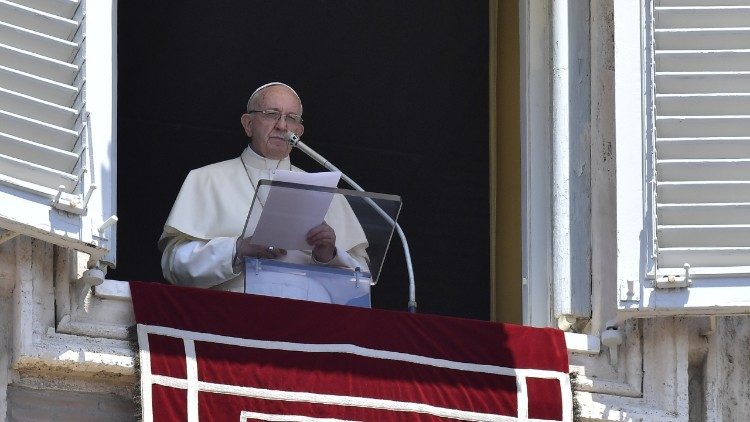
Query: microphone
{"points": [[294, 140]]}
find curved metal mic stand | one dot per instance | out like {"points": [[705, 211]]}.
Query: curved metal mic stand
{"points": [[294, 141]]}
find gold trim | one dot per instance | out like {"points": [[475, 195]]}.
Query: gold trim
{"points": [[505, 162]]}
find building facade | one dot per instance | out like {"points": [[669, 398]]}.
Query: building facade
{"points": [[635, 206]]}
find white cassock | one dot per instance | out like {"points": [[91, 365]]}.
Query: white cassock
{"points": [[200, 236]]}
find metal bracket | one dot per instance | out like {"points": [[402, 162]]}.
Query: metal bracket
{"points": [[74, 205], [674, 281]]}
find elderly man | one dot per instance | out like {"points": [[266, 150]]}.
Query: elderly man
{"points": [[202, 243]]}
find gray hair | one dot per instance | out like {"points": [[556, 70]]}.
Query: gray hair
{"points": [[254, 96]]}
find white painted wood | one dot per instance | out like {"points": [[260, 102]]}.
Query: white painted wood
{"points": [[571, 274], [704, 235], [632, 229], [36, 109], [703, 192], [44, 133], [37, 174], [31, 41], [38, 21], [702, 16], [685, 3], [732, 213], [706, 147], [680, 82], [703, 169], [63, 8], [702, 143], [736, 60], [34, 86], [703, 104], [101, 102], [715, 256], [40, 154], [536, 220], [561, 200], [702, 38], [54, 129], [39, 65]]}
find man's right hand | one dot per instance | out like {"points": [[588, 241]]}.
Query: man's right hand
{"points": [[245, 247]]}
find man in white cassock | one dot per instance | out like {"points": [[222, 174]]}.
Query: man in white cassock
{"points": [[202, 243]]}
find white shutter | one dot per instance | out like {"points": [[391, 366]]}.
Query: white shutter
{"points": [[702, 109], [694, 233], [57, 120]]}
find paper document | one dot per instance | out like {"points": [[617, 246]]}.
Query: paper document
{"points": [[288, 214]]}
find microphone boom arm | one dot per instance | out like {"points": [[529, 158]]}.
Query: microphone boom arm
{"points": [[295, 141]]}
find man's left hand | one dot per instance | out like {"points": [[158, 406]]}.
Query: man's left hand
{"points": [[322, 238]]}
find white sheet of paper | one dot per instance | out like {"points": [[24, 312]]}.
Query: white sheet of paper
{"points": [[289, 214]]}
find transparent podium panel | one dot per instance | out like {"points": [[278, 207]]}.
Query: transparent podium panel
{"points": [[307, 282], [283, 213]]}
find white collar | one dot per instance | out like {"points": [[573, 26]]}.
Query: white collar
{"points": [[254, 160]]}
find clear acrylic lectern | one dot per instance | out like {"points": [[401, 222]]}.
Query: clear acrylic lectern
{"points": [[281, 214]]}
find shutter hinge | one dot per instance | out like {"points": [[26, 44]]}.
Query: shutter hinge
{"points": [[674, 281]]}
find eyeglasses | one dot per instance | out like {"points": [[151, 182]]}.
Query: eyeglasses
{"points": [[275, 115]]}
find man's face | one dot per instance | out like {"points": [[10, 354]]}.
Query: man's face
{"points": [[267, 134]]}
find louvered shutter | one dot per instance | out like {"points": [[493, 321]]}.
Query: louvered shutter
{"points": [[57, 68], [702, 110], [682, 112]]}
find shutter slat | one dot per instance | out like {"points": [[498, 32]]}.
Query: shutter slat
{"points": [[43, 155], [41, 88], [727, 235], [62, 8], [702, 60], [26, 40], [702, 126], [702, 82], [40, 93], [704, 214], [38, 65], [703, 104], [37, 174], [703, 170], [37, 109], [702, 16], [25, 128], [704, 257], [702, 38], [693, 148], [703, 193], [684, 3], [38, 21]]}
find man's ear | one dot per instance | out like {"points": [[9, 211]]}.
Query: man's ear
{"points": [[247, 123], [301, 130]]}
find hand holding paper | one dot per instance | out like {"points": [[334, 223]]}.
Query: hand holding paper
{"points": [[288, 215], [323, 241]]}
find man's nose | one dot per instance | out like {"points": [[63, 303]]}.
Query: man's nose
{"points": [[281, 123]]}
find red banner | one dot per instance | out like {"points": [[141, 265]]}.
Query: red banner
{"points": [[217, 356]]}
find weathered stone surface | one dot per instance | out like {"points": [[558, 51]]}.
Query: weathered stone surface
{"points": [[27, 404]]}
